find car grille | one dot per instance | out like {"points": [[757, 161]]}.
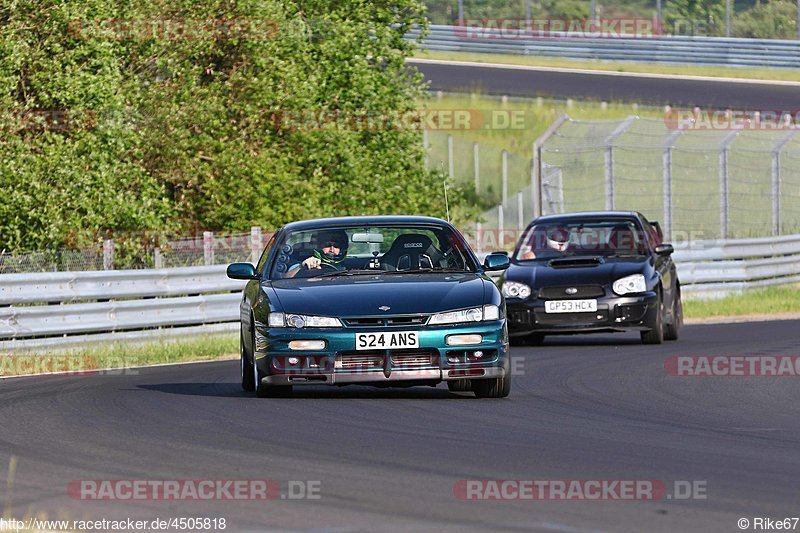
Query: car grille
{"points": [[375, 359], [386, 321], [363, 361], [414, 359], [581, 291]]}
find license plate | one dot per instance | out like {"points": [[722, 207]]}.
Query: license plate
{"points": [[570, 306], [389, 340]]}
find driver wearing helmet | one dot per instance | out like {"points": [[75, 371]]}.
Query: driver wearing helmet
{"points": [[330, 249], [554, 238], [558, 239]]}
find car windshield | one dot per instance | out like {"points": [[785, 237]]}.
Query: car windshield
{"points": [[552, 240], [362, 250]]}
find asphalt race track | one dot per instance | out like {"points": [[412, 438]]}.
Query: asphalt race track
{"points": [[599, 407], [566, 83]]}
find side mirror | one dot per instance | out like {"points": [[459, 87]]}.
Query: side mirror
{"points": [[241, 271], [496, 261], [664, 250]]}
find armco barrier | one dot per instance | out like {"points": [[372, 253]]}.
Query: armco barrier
{"points": [[47, 309], [721, 51]]}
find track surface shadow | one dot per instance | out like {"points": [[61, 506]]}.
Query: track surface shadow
{"points": [[234, 390]]}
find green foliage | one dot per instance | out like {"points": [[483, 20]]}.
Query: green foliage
{"points": [[695, 17], [769, 20], [179, 133]]}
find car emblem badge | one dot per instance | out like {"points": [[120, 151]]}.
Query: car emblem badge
{"points": [[571, 290], [384, 308]]}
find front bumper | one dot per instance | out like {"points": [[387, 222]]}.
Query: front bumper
{"points": [[341, 364], [614, 313]]}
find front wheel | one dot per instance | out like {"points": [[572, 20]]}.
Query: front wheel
{"points": [[459, 385], [492, 388], [655, 335], [246, 366], [672, 330]]}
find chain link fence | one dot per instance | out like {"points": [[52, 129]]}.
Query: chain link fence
{"points": [[208, 248], [710, 184], [730, 183]]}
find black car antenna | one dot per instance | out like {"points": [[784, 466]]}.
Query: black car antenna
{"points": [[446, 204]]}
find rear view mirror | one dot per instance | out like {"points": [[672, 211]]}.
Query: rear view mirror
{"points": [[496, 261], [664, 249], [374, 238], [244, 271]]}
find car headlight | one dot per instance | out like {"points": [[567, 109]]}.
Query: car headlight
{"points": [[475, 314], [513, 289], [292, 320], [629, 284]]}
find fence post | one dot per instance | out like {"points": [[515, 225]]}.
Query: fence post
{"points": [[667, 174], [208, 248], [500, 227], [450, 162], [537, 163], [478, 238], [724, 206], [504, 175], [255, 243], [477, 161], [776, 182], [521, 214], [425, 148], [609, 160], [158, 259], [108, 254]]}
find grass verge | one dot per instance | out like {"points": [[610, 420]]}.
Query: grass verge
{"points": [[766, 74], [120, 355], [769, 301]]}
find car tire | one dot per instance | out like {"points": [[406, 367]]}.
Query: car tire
{"points": [[263, 390], [655, 335], [672, 330], [248, 377], [492, 388], [459, 385]]}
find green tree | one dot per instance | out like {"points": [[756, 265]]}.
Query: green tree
{"points": [[776, 19], [694, 17], [183, 131]]}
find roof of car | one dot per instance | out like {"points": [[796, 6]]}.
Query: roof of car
{"points": [[565, 217], [376, 220]]}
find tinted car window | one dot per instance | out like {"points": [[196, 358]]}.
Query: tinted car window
{"points": [[377, 249], [549, 240]]}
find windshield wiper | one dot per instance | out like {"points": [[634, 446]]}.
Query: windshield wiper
{"points": [[426, 271], [348, 273]]}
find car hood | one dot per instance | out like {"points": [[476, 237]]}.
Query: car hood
{"points": [[363, 295], [539, 274]]}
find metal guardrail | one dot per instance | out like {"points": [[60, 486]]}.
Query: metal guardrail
{"points": [[663, 49], [710, 269], [133, 304], [105, 284]]}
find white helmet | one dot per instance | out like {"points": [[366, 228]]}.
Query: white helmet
{"points": [[558, 238]]}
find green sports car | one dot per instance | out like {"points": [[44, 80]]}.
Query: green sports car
{"points": [[380, 301]]}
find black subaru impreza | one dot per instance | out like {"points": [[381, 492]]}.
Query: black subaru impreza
{"points": [[592, 272]]}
